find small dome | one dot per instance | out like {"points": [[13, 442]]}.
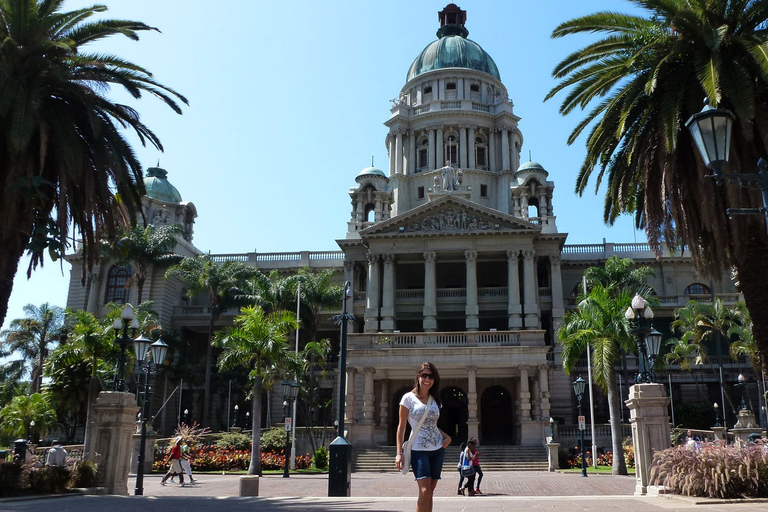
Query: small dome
{"points": [[159, 188], [531, 166], [372, 171]]}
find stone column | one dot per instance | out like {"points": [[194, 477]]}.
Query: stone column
{"points": [[349, 274], [431, 156], [411, 169], [439, 150], [472, 420], [388, 297], [384, 403], [391, 150], [463, 146], [648, 415], [525, 395], [149, 448], [369, 404], [556, 280], [472, 310], [530, 307], [504, 193], [514, 308], [114, 416], [398, 151], [430, 292], [471, 147], [544, 392], [349, 397], [492, 150], [505, 149], [372, 294]]}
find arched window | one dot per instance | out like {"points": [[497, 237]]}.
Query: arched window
{"points": [[697, 289], [452, 150], [118, 283], [481, 153]]}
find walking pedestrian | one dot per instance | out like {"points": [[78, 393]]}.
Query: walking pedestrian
{"points": [[472, 447], [175, 468], [461, 463], [420, 407], [186, 465]]}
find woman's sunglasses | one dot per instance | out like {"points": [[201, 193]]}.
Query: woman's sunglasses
{"points": [[426, 375]]}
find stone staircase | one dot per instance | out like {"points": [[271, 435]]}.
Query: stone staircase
{"points": [[494, 458]]}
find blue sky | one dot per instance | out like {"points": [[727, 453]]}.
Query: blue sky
{"points": [[287, 105]]}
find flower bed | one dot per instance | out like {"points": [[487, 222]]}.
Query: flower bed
{"points": [[214, 458]]}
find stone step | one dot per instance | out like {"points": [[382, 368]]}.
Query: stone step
{"points": [[494, 458]]}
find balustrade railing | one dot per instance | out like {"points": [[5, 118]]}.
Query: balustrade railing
{"points": [[469, 338]]}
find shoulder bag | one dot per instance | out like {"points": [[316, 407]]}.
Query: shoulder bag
{"points": [[407, 444], [467, 469]]}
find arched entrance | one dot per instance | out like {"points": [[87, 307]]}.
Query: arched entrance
{"points": [[454, 414], [497, 420]]}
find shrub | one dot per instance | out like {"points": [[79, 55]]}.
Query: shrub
{"points": [[716, 471], [234, 440], [629, 453], [10, 479], [83, 474], [213, 458], [45, 479], [274, 440], [321, 458]]}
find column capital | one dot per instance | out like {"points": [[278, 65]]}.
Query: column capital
{"points": [[396, 131], [470, 255], [528, 254], [523, 368], [372, 257], [513, 255], [389, 258], [349, 265], [369, 369], [542, 367], [555, 259], [430, 256]]}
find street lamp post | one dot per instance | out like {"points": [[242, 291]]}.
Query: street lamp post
{"points": [[578, 389], [647, 338], [237, 413], [149, 357], [717, 415], [741, 385], [121, 325], [186, 416], [711, 131], [290, 392], [340, 462]]}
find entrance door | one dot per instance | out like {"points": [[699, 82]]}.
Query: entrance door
{"points": [[454, 414], [497, 421]]}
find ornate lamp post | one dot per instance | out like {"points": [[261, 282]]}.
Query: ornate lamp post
{"points": [[186, 416], [741, 385], [552, 427], [578, 389], [340, 463], [647, 338], [290, 392], [121, 325], [149, 358], [711, 131], [717, 415], [237, 413]]}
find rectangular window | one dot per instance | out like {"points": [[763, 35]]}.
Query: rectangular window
{"points": [[422, 158], [481, 159], [452, 154], [420, 192], [428, 89], [450, 86], [483, 190], [474, 88]]}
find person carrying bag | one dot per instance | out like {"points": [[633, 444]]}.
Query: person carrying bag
{"points": [[409, 443]]}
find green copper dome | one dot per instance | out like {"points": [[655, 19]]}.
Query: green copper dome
{"points": [[158, 187], [372, 171], [452, 48]]}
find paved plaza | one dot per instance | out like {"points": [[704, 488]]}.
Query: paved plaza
{"points": [[504, 491]]}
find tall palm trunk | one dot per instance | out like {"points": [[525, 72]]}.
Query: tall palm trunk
{"points": [[208, 364], [254, 468], [753, 276], [13, 240], [617, 436]]}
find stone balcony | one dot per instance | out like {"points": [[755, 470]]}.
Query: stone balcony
{"points": [[375, 341]]}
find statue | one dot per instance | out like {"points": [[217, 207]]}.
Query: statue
{"points": [[449, 177]]}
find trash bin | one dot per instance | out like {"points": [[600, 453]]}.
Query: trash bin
{"points": [[3, 455], [20, 449]]}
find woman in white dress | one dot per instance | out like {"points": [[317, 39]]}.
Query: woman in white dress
{"points": [[428, 447]]}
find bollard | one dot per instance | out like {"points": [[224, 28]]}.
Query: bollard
{"points": [[340, 468], [20, 450]]}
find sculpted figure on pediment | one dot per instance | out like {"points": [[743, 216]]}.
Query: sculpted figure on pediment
{"points": [[450, 220]]}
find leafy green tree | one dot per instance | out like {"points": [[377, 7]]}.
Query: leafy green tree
{"points": [[641, 80], [65, 164], [311, 400], [598, 324], [745, 344], [142, 248], [258, 341], [318, 292], [31, 338], [16, 418], [222, 284], [620, 274]]}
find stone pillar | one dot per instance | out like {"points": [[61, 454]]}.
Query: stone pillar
{"points": [[411, 169], [530, 306], [372, 295], [504, 193], [398, 152], [492, 150], [556, 280], [388, 297], [349, 398], [525, 395], [472, 420], [514, 308], [349, 274], [439, 150], [114, 418], [369, 405], [505, 149], [463, 146], [149, 449], [719, 433], [391, 151], [384, 403], [472, 310], [471, 148], [431, 156], [552, 456], [648, 406], [544, 392], [430, 292]]}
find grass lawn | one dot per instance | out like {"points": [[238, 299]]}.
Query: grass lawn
{"points": [[602, 470]]}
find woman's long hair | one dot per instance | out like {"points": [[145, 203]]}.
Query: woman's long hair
{"points": [[435, 389]]}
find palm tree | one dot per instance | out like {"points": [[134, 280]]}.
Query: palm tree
{"points": [[258, 341], [318, 292], [641, 81], [31, 338], [65, 164], [620, 274], [599, 325], [16, 418], [142, 248], [745, 344], [223, 285]]}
